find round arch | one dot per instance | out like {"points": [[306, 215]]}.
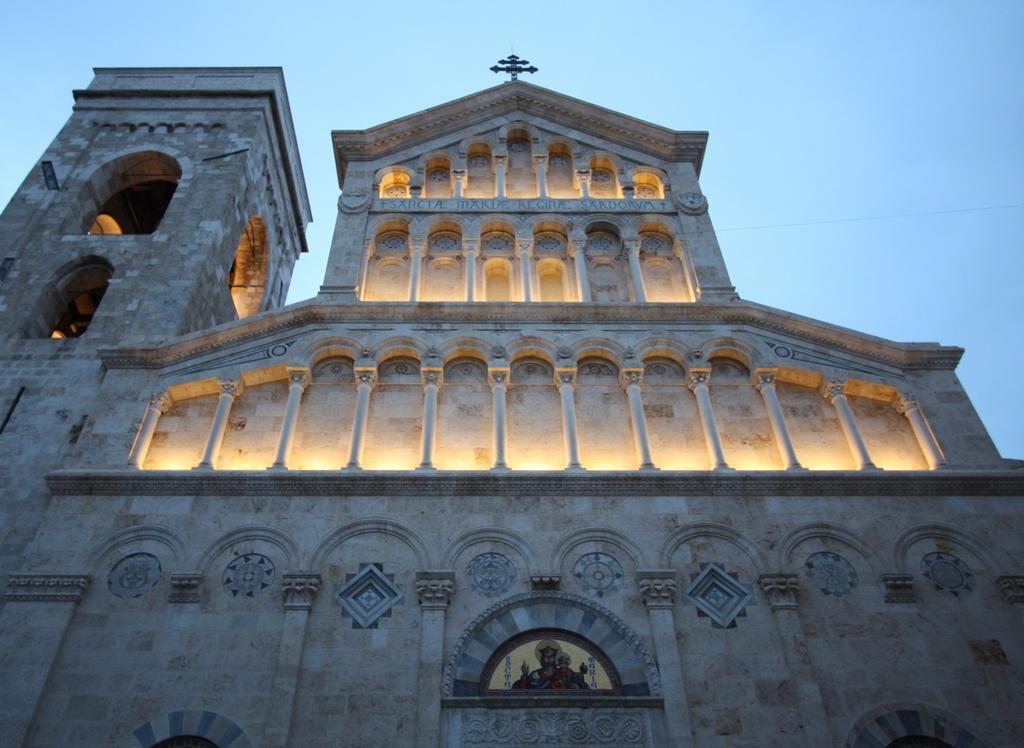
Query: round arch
{"points": [[283, 542], [139, 534], [729, 534], [894, 721], [215, 728], [371, 525]]}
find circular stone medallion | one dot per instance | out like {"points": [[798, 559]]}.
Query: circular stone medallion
{"points": [[491, 574], [833, 574], [134, 575], [599, 573], [248, 575], [947, 572]]}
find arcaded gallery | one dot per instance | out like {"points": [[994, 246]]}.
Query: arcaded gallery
{"points": [[526, 471]]}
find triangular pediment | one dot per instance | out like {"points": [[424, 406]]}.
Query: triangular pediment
{"points": [[517, 99]]}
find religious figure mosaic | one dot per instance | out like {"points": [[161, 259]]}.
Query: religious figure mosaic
{"points": [[947, 572], [134, 575], [549, 660], [599, 573], [832, 573], [248, 575], [491, 574], [368, 596]]}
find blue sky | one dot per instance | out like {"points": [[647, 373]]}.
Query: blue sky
{"points": [[817, 112]]}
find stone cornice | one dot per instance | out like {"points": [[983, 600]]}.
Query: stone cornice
{"points": [[336, 484], [317, 312]]}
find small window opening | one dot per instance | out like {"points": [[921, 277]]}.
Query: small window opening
{"points": [[247, 278], [75, 300]]}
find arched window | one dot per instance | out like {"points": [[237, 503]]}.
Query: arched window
{"points": [[479, 171], [247, 278], [552, 280], [69, 303], [603, 180], [394, 184], [560, 172], [647, 186], [520, 179], [438, 178], [138, 189], [497, 283]]}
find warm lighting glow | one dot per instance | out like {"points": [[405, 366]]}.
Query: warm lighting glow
{"points": [[171, 460]]}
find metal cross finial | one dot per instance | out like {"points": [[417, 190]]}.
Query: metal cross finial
{"points": [[514, 66]]}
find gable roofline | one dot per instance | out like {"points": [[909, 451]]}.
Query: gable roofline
{"points": [[378, 141]]}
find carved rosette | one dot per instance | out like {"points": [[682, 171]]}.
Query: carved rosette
{"points": [[185, 588], [658, 588], [899, 588], [299, 590], [782, 590], [47, 588], [434, 589], [692, 203], [1012, 588]]}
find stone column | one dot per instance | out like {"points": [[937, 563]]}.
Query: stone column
{"points": [[658, 588], [499, 175], [472, 249], [434, 590], [635, 270], [764, 382], [431, 384], [228, 392], [498, 379], [365, 380], [157, 406], [523, 246], [584, 176], [564, 380], [540, 163], [631, 379], [298, 380], [910, 408], [417, 247], [300, 590], [698, 384], [782, 591], [459, 180], [40, 608], [579, 254], [834, 390]]}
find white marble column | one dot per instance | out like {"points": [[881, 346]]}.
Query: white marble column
{"points": [[298, 380], [500, 162], [698, 384], [565, 380], [540, 164], [365, 380], [300, 589], [157, 406], [583, 175], [459, 182], [498, 379], [472, 249], [579, 255], [417, 248], [524, 247], [834, 391], [658, 588], [635, 270], [782, 591], [431, 385], [910, 408], [434, 590], [631, 379], [764, 382], [228, 392]]}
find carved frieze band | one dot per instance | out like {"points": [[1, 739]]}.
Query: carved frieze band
{"points": [[47, 588]]}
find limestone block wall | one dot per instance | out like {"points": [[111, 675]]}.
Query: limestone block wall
{"points": [[324, 428], [254, 426], [817, 435]]}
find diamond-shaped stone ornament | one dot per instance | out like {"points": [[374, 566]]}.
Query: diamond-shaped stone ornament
{"points": [[718, 595], [368, 595]]}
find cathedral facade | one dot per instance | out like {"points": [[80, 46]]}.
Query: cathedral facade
{"points": [[526, 471]]}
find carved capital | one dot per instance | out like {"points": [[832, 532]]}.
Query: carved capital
{"points": [[499, 159], [431, 377], [185, 588], [161, 403], [631, 245], [904, 404], [540, 160], [698, 378], [366, 377], [523, 246], [1012, 588], [764, 378], [565, 377], [497, 377], [781, 589], [657, 587], [46, 588], [628, 377], [899, 588], [231, 388], [298, 376], [299, 590], [830, 389], [417, 245], [546, 581], [434, 589], [471, 246], [458, 175], [583, 175]]}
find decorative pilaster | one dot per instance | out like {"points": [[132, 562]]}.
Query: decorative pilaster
{"points": [[658, 589], [500, 161], [583, 175], [185, 588], [228, 392], [783, 592], [911, 409], [498, 379], [764, 382], [630, 380], [540, 165], [579, 256], [365, 380], [524, 247], [834, 390], [459, 182], [635, 270], [298, 380], [899, 587], [565, 380], [472, 249], [431, 385], [300, 590], [157, 406], [434, 590], [698, 385], [417, 249]]}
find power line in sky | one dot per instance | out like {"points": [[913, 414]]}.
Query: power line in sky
{"points": [[872, 218]]}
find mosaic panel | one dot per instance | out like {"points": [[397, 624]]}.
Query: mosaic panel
{"points": [[248, 575], [368, 596], [832, 573], [719, 595], [947, 572], [599, 573], [491, 574], [134, 575]]}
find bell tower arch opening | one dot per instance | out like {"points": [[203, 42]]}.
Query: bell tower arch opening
{"points": [[250, 269], [69, 302], [131, 194]]}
